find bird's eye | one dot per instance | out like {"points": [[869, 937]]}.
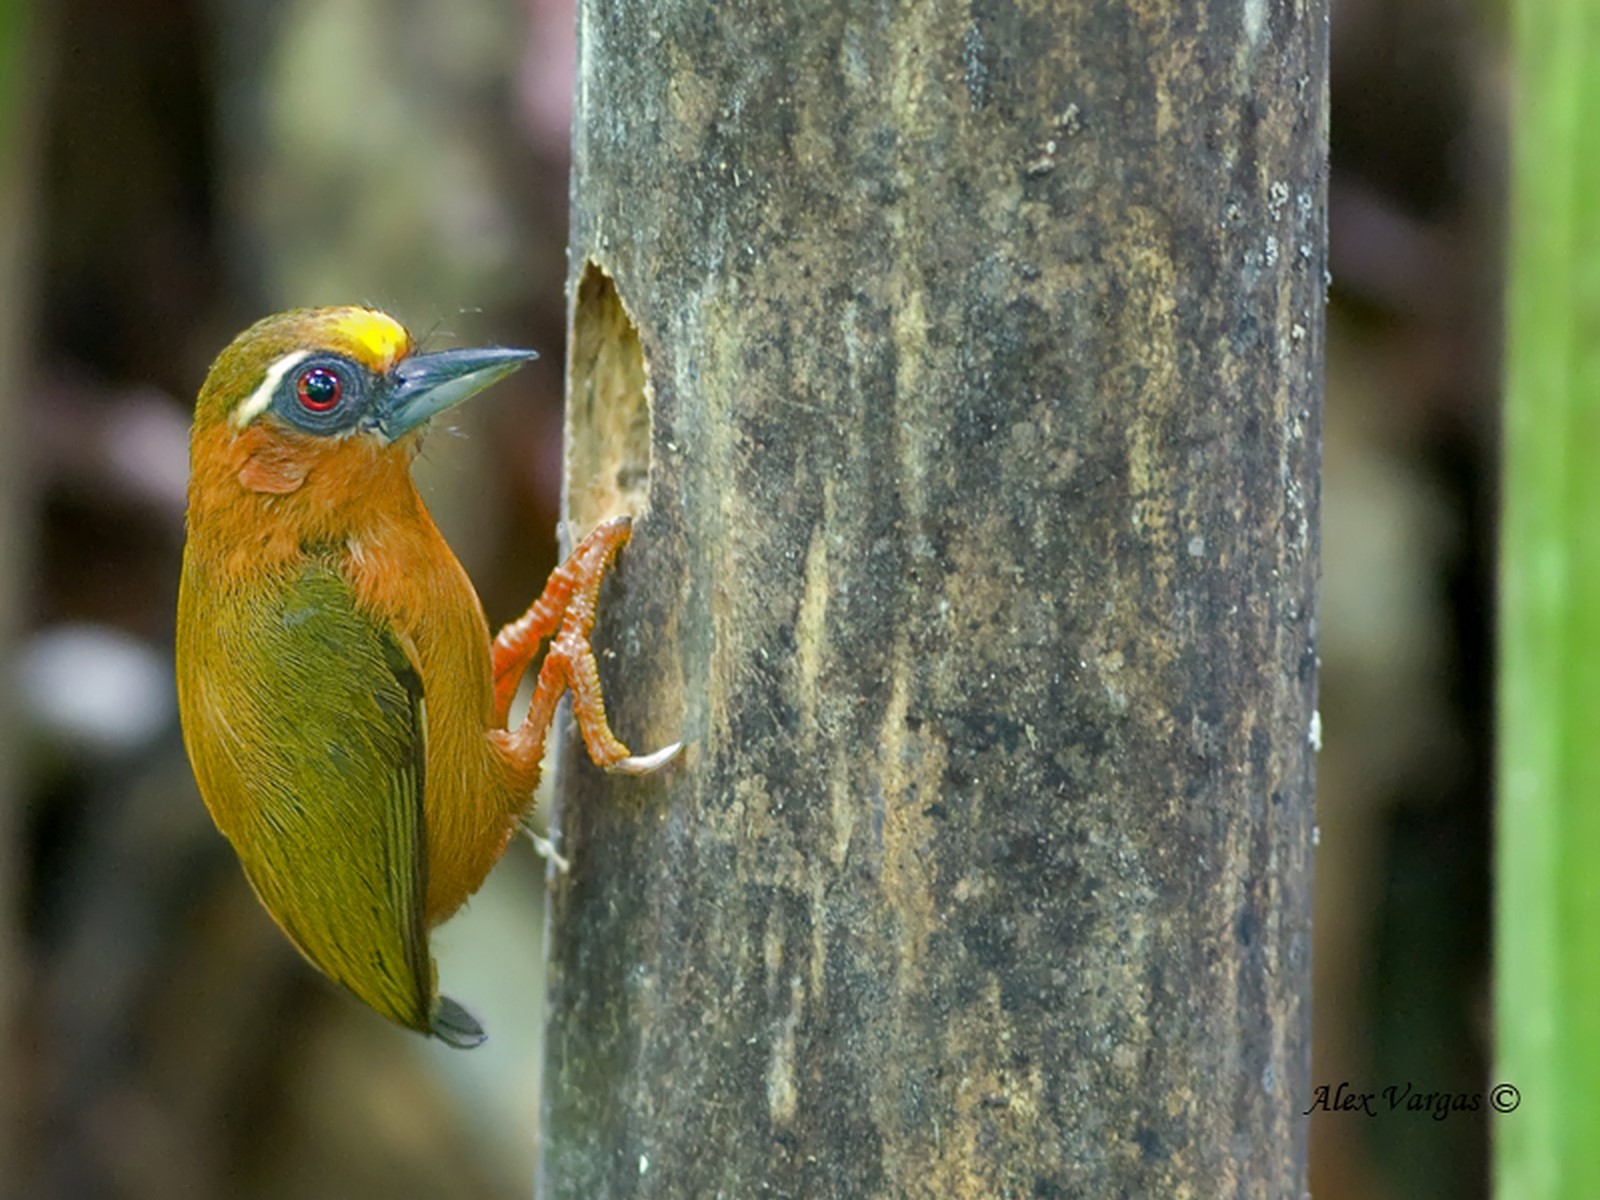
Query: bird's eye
{"points": [[319, 390]]}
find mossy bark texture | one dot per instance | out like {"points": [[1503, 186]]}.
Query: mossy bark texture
{"points": [[976, 450]]}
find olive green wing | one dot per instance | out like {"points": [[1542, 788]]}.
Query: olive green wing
{"points": [[306, 722]]}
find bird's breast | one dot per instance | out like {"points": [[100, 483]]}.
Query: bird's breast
{"points": [[408, 574]]}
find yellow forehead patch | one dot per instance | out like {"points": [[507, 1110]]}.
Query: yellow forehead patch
{"points": [[377, 338]]}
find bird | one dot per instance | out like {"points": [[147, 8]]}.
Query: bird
{"points": [[343, 706]]}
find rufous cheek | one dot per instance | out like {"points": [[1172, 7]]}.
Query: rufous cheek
{"points": [[274, 471]]}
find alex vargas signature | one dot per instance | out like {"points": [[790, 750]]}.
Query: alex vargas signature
{"points": [[1502, 1098]]}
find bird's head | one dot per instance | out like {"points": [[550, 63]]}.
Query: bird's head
{"points": [[339, 373], [335, 393]]}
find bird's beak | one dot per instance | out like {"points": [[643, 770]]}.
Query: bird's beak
{"points": [[425, 385]]}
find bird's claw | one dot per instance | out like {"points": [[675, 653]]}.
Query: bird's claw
{"points": [[549, 853], [643, 764]]}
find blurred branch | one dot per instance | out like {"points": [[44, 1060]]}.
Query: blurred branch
{"points": [[19, 87], [1548, 920]]}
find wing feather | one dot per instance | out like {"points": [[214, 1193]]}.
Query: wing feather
{"points": [[307, 727]]}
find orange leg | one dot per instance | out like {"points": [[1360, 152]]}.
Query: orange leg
{"points": [[567, 610], [518, 643]]}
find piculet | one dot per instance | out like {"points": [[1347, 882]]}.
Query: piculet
{"points": [[343, 706]]}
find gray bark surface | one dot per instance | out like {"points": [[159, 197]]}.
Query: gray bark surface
{"points": [[980, 428]]}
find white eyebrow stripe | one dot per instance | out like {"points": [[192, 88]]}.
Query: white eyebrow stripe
{"points": [[258, 401]]}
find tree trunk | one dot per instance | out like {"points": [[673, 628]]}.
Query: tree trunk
{"points": [[970, 360]]}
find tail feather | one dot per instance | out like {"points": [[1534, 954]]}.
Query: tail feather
{"points": [[455, 1026]]}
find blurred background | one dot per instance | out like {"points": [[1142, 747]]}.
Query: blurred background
{"points": [[172, 169]]}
